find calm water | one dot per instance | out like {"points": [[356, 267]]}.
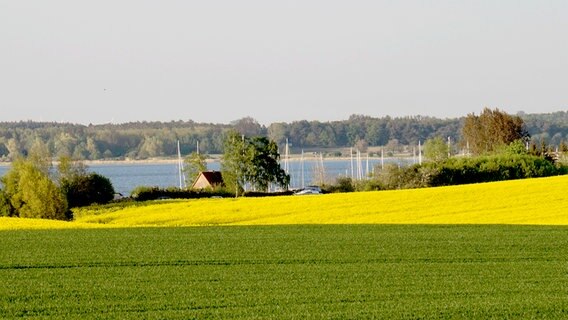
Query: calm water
{"points": [[126, 176]]}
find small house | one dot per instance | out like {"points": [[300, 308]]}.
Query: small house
{"points": [[208, 179]]}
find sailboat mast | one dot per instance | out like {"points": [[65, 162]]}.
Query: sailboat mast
{"points": [[367, 171], [180, 166], [286, 158], [419, 152], [359, 166], [322, 169], [302, 165], [414, 155], [352, 169]]}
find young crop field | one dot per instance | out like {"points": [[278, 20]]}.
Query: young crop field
{"points": [[284, 272]]}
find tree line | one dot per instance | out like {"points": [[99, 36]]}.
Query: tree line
{"points": [[142, 140]]}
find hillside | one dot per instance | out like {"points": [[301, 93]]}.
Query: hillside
{"points": [[540, 201]]}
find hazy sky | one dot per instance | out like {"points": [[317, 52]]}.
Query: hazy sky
{"points": [[218, 60]]}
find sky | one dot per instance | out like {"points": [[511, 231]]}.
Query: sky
{"points": [[279, 61]]}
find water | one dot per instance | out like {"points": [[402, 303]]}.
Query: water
{"points": [[127, 176]]}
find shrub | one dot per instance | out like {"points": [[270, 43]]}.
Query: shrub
{"points": [[368, 185], [145, 193], [344, 184], [454, 171], [257, 194], [86, 189], [395, 177], [489, 168]]}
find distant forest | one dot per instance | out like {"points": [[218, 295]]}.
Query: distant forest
{"points": [[143, 140]]}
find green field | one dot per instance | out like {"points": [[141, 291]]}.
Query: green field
{"points": [[310, 271]]}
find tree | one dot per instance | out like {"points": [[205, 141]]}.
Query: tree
{"points": [[247, 126], [278, 132], [491, 130], [67, 169], [14, 148], [6, 209], [436, 149], [251, 160], [235, 161], [362, 145], [40, 156], [86, 189], [4, 152], [193, 165], [32, 193], [80, 187], [265, 168], [392, 146]]}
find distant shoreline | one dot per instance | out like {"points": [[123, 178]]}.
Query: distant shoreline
{"points": [[295, 158]]}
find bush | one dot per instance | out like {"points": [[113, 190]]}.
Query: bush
{"points": [[454, 171], [395, 177], [144, 193], [257, 194], [489, 168], [369, 185], [342, 184], [87, 189]]}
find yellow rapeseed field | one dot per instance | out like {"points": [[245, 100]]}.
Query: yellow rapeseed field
{"points": [[542, 201], [21, 223]]}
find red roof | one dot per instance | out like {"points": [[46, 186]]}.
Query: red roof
{"points": [[207, 179]]}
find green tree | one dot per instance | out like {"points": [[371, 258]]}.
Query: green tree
{"points": [[193, 165], [517, 147], [32, 193], [436, 149], [235, 162], [253, 161], [265, 168]]}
